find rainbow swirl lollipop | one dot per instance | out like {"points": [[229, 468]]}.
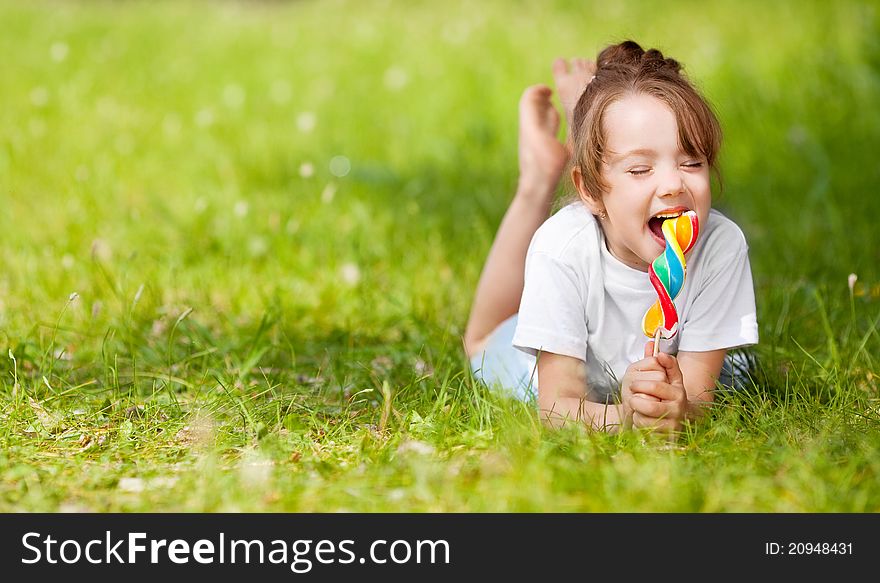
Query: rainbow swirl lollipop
{"points": [[667, 274]]}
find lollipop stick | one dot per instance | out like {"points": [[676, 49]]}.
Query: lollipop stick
{"points": [[657, 341]]}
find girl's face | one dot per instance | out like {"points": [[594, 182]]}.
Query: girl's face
{"points": [[648, 175]]}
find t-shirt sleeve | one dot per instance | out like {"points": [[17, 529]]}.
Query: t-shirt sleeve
{"points": [[723, 313], [551, 315]]}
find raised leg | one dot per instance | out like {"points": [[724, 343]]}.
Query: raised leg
{"points": [[542, 160]]}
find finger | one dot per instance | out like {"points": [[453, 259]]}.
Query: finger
{"points": [[648, 407], [649, 349], [657, 425], [649, 375], [649, 363], [643, 421], [659, 390], [673, 370]]}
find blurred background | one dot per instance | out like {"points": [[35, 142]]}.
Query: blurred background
{"points": [[338, 168]]}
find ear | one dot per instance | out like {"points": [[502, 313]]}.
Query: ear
{"points": [[594, 204]]}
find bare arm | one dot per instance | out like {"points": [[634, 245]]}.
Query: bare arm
{"points": [[562, 395], [700, 371]]}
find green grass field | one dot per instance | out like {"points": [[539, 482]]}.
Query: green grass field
{"points": [[273, 215]]}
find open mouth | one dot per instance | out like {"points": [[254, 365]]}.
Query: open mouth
{"points": [[655, 223]]}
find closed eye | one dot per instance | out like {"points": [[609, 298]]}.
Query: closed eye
{"points": [[695, 164], [638, 171]]}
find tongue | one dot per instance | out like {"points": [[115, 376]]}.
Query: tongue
{"points": [[656, 226]]}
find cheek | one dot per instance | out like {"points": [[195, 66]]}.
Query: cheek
{"points": [[700, 184]]}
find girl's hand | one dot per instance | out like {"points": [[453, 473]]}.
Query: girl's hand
{"points": [[647, 370], [660, 404]]}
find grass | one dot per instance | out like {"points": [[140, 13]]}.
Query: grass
{"points": [[273, 216]]}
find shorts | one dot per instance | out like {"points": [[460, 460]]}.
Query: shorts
{"points": [[509, 370]]}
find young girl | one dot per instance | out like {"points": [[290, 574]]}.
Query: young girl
{"points": [[558, 309]]}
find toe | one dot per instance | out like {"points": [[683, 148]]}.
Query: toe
{"points": [[536, 93], [560, 67], [584, 66]]}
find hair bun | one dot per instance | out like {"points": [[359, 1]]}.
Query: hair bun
{"points": [[654, 59], [630, 54], [626, 53]]}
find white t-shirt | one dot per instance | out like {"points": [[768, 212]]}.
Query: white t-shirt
{"points": [[581, 301]]}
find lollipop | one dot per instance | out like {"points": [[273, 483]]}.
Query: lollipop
{"points": [[667, 274]]}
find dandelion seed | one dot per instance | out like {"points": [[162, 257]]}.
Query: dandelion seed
{"points": [[234, 96], [241, 208], [74, 508], [106, 107], [306, 169], [48, 420], [124, 144], [163, 482], [395, 79], [205, 118], [797, 135], [381, 365], [280, 92], [171, 125], [415, 447], [72, 297], [422, 368], [131, 485], [306, 121], [255, 470], [158, 328], [37, 128], [340, 166], [101, 250], [851, 281], [323, 88], [350, 273], [274, 221], [258, 247], [456, 34], [365, 31], [58, 51], [39, 96]]}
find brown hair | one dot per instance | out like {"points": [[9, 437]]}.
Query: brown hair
{"points": [[624, 69]]}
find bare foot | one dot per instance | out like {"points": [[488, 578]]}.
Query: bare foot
{"points": [[571, 78], [542, 158]]}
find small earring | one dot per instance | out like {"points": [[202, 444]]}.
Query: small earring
{"points": [[603, 215]]}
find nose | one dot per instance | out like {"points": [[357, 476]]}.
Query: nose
{"points": [[671, 182]]}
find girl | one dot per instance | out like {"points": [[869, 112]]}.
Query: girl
{"points": [[558, 308]]}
